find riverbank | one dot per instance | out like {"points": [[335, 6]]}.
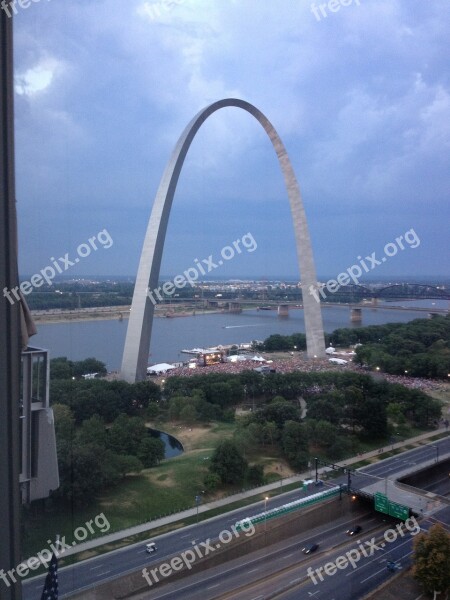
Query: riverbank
{"points": [[109, 313]]}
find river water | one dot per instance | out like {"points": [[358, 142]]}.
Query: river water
{"points": [[104, 340]]}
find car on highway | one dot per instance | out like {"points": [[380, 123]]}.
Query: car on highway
{"points": [[310, 548], [354, 530], [151, 547]]}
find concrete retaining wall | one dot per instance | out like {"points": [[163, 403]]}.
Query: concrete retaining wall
{"points": [[275, 531]]}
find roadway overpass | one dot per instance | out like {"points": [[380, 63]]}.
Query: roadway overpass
{"points": [[113, 572]]}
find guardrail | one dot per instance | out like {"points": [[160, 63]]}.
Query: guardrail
{"points": [[291, 506]]}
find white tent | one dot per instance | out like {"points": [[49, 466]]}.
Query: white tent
{"points": [[258, 359], [236, 358], [338, 361], [330, 350], [161, 368]]}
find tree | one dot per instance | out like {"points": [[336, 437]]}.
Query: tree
{"points": [[152, 411], [144, 392], [64, 423], [188, 414], [255, 475], [89, 365], [175, 405], [228, 463], [211, 482], [322, 433], [126, 435], [371, 415], [151, 451], [295, 444], [324, 409], [125, 464], [394, 411], [431, 560], [272, 432], [279, 411], [61, 368], [93, 432], [81, 475]]}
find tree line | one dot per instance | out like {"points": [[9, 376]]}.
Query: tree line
{"points": [[420, 348], [342, 411]]}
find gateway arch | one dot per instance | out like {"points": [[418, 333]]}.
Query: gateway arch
{"points": [[137, 342]]}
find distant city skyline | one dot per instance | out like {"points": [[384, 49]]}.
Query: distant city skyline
{"points": [[405, 278], [361, 99]]}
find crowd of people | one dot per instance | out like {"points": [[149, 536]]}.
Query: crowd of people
{"points": [[299, 363], [414, 382]]}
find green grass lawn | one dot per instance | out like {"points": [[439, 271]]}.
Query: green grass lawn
{"points": [[163, 490]]}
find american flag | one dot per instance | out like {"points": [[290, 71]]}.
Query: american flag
{"points": [[50, 591]]}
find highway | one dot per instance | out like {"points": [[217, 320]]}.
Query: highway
{"points": [[284, 573], [265, 571], [132, 558]]}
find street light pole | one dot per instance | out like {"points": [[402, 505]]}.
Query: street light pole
{"points": [[197, 502], [437, 452], [265, 518]]}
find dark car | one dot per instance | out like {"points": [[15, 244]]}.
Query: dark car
{"points": [[354, 530], [310, 548]]}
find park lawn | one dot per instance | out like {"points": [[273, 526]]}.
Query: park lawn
{"points": [[443, 395], [168, 488], [197, 437]]}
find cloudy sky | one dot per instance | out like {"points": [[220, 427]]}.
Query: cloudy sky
{"points": [[360, 97]]}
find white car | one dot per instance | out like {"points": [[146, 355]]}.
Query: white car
{"points": [[150, 547]]}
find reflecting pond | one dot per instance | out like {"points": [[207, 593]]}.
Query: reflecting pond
{"points": [[173, 447]]}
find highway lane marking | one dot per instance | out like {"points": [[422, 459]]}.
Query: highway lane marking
{"points": [[373, 575], [289, 555], [376, 572], [97, 567], [377, 557], [330, 529], [213, 586]]}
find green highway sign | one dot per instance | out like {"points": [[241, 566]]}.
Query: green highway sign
{"points": [[384, 505], [381, 503], [399, 511]]}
